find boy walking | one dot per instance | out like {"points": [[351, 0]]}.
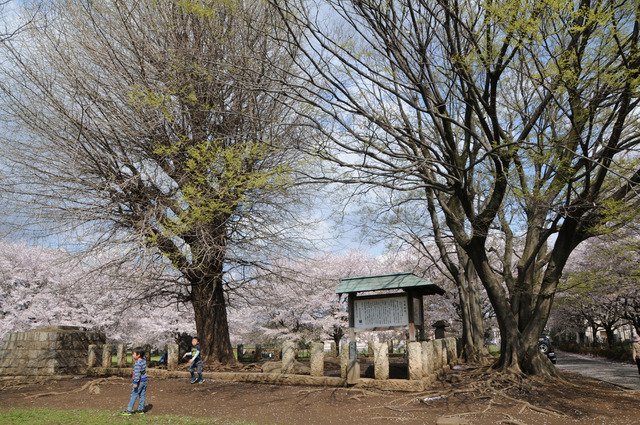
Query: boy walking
{"points": [[195, 362], [139, 383]]}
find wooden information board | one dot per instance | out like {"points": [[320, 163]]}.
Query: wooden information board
{"points": [[370, 313]]}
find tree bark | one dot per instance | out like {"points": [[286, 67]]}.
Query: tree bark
{"points": [[471, 315], [210, 309]]}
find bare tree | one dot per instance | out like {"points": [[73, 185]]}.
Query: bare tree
{"points": [[519, 117], [10, 23], [403, 222], [155, 126]]}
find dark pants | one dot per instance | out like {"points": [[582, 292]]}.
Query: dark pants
{"points": [[638, 363], [197, 365]]}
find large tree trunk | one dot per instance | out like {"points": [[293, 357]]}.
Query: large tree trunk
{"points": [[210, 309], [464, 276], [519, 351], [611, 338], [471, 315]]}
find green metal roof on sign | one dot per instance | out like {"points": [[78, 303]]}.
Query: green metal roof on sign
{"points": [[406, 281]]}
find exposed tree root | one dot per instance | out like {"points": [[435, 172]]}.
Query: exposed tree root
{"points": [[484, 383], [310, 391], [390, 418], [511, 421], [92, 386], [12, 384], [395, 409]]}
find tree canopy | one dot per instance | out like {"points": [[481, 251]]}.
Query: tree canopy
{"points": [[158, 127], [515, 120]]}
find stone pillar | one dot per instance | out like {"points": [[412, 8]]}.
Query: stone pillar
{"points": [[258, 353], [92, 360], [277, 353], [239, 350], [344, 360], [443, 352], [121, 355], [317, 359], [288, 357], [107, 351], [353, 367], [334, 351], [370, 349], [452, 351], [381, 360], [414, 354], [427, 359], [437, 356], [173, 357]]}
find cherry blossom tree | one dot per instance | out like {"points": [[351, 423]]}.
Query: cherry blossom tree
{"points": [[305, 305], [601, 286], [162, 130], [45, 287], [301, 302]]}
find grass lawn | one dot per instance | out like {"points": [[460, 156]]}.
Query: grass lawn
{"points": [[97, 417], [493, 350]]}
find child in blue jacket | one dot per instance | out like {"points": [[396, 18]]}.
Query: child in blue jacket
{"points": [[139, 383], [195, 362]]}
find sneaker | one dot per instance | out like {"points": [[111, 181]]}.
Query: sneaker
{"points": [[126, 413], [194, 380], [201, 381], [139, 412]]}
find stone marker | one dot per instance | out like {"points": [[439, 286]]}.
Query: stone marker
{"points": [[277, 353], [381, 360], [92, 360], [239, 352], [288, 356], [317, 359], [437, 356], [121, 355], [452, 352], [444, 353], [344, 360], [427, 358], [172, 356], [107, 352], [415, 360], [353, 366]]}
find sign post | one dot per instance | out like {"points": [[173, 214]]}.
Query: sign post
{"points": [[400, 309], [353, 367]]}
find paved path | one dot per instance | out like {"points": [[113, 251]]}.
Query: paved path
{"points": [[624, 375]]}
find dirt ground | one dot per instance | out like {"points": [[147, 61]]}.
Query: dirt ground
{"points": [[462, 397]]}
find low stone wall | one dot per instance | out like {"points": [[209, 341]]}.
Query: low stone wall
{"points": [[45, 351], [270, 378], [426, 361]]}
